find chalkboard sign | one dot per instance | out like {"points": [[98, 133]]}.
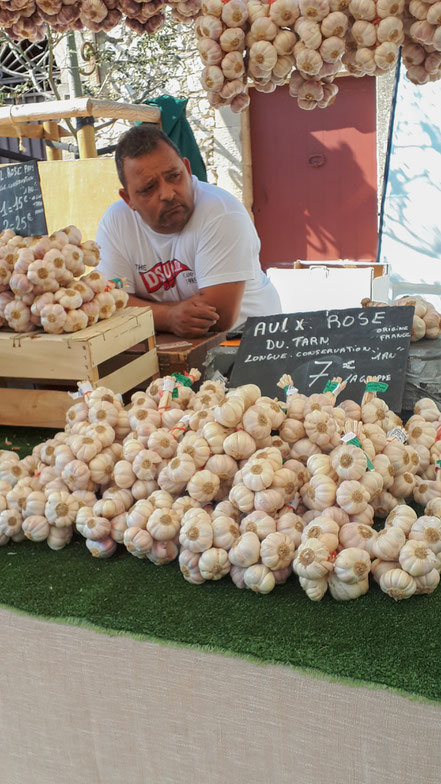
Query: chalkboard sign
{"points": [[313, 347], [21, 201]]}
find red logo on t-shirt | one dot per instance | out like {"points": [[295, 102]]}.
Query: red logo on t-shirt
{"points": [[163, 274]]}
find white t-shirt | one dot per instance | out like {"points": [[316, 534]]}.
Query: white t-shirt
{"points": [[219, 244]]}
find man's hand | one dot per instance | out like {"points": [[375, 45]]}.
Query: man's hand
{"points": [[192, 317]]}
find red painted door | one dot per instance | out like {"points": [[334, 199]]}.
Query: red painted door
{"points": [[315, 175]]}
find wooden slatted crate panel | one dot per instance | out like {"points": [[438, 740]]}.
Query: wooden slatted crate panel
{"points": [[37, 369]]}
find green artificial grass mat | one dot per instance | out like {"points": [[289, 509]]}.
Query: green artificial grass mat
{"points": [[372, 640], [23, 439]]}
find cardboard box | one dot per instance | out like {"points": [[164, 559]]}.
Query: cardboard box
{"points": [[320, 285]]}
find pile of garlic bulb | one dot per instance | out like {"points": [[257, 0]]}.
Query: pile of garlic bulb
{"points": [[44, 283], [422, 46], [305, 43], [27, 19], [242, 484], [426, 321]]}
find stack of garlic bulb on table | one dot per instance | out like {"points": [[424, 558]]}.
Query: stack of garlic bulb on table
{"points": [[44, 283], [242, 484]]}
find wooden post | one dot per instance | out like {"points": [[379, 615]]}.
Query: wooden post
{"points": [[86, 138], [53, 153], [247, 163]]}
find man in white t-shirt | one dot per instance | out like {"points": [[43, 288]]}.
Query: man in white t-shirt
{"points": [[187, 247]]}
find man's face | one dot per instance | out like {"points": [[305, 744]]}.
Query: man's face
{"points": [[159, 187]]}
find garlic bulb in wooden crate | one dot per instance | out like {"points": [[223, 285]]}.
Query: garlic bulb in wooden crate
{"points": [[45, 293]]}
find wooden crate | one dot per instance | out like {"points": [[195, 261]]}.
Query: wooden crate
{"points": [[180, 354], [37, 369]]}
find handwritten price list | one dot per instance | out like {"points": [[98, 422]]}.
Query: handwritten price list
{"points": [[313, 347], [21, 200]]}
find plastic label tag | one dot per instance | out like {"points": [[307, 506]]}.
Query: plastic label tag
{"points": [[331, 386], [84, 388], [348, 438], [398, 433], [168, 384], [185, 381], [217, 376], [351, 438], [376, 386], [295, 502], [290, 390]]}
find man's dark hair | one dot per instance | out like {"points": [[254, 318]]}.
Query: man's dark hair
{"points": [[137, 141]]}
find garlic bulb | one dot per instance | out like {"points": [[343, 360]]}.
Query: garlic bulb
{"points": [[342, 591], [242, 498], [357, 535], [258, 522], [427, 582], [245, 550], [277, 551], [234, 13], [196, 532], [325, 530], [314, 589], [349, 462], [137, 541], [352, 565], [319, 492], [163, 524], [388, 544], [203, 485], [402, 516], [36, 528], [311, 560], [214, 564], [188, 564], [398, 584], [259, 578], [416, 558], [426, 529], [100, 548], [352, 496], [263, 54]]}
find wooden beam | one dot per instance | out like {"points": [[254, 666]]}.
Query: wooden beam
{"points": [[78, 107], [31, 131], [52, 153], [247, 162], [86, 142]]}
